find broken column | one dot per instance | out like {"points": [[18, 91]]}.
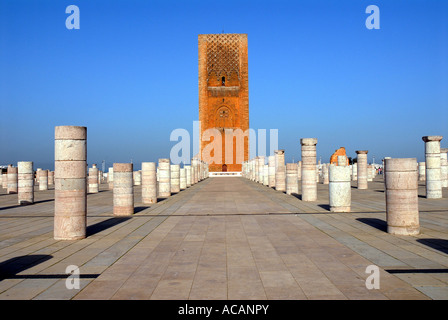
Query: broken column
{"points": [[362, 169], [12, 180], [402, 196], [260, 169], [188, 175], [309, 185], [70, 210], [355, 172], [123, 189], [110, 178], [25, 184], [195, 173], [325, 173], [266, 175], [5, 180], [92, 180], [183, 179], [444, 167], [422, 171], [280, 170], [339, 188], [271, 171], [165, 178], [43, 180], [292, 184], [175, 178], [137, 177], [50, 178], [433, 170], [149, 183]]}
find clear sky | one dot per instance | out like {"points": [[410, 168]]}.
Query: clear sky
{"points": [[130, 74]]}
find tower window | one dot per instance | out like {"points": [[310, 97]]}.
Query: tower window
{"points": [[223, 81]]}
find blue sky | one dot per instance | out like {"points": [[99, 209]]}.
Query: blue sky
{"points": [[130, 74]]}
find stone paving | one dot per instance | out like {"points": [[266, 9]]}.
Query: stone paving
{"points": [[225, 238]]}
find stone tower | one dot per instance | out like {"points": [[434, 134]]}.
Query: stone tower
{"points": [[224, 100]]}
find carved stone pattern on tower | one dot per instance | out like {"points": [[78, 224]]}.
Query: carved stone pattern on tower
{"points": [[223, 54]]}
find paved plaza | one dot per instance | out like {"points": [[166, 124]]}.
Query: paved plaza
{"points": [[225, 238]]}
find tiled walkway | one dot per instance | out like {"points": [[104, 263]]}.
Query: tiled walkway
{"points": [[225, 238]]}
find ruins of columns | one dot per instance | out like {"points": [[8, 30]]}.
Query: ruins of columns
{"points": [[165, 178], [362, 169], [149, 183], [92, 179], [433, 168], [271, 171], [70, 210], [123, 194], [175, 178], [339, 188], [402, 196], [25, 184], [309, 185], [12, 186], [292, 184], [422, 171], [137, 178], [43, 180], [280, 170], [183, 179], [444, 167]]}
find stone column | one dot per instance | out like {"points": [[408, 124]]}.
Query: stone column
{"points": [[110, 178], [354, 172], [25, 175], [257, 170], [188, 175], [165, 178], [309, 186], [149, 183], [50, 178], [339, 188], [280, 170], [12, 180], [92, 180], [299, 170], [362, 169], [70, 193], [433, 170], [266, 175], [369, 173], [5, 180], [183, 179], [123, 189], [292, 184], [261, 169], [421, 171], [194, 164], [43, 180], [271, 171], [444, 167], [175, 178], [325, 174], [137, 178], [192, 173], [402, 196]]}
